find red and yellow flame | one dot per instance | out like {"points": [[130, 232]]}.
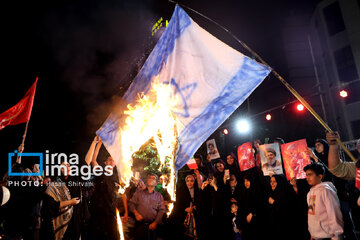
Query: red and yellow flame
{"points": [[151, 117]]}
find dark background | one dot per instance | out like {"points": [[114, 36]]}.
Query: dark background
{"points": [[85, 54]]}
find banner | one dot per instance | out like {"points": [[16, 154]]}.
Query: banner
{"points": [[270, 159], [295, 158], [246, 156]]}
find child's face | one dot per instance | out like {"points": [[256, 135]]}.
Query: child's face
{"points": [[312, 178], [247, 183], [234, 208]]}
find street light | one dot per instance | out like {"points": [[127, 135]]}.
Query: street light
{"points": [[300, 107], [343, 93], [225, 131], [243, 126], [268, 117]]}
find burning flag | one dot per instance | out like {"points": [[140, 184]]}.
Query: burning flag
{"points": [[187, 88]]}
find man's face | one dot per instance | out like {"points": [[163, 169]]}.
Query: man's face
{"points": [[312, 178], [163, 180], [270, 156], [319, 147], [230, 159], [211, 147], [110, 162], [151, 181]]}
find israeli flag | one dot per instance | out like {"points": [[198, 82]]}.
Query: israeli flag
{"points": [[211, 78]]}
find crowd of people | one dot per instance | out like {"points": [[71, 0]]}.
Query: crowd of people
{"points": [[214, 201]]}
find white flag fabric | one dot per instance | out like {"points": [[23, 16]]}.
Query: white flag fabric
{"points": [[211, 78]]}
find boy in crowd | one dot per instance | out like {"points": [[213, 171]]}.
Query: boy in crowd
{"points": [[324, 215]]}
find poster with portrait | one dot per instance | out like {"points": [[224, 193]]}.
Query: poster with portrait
{"points": [[246, 156], [270, 159], [212, 150], [295, 158]]}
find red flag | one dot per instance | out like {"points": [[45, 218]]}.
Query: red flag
{"points": [[21, 112], [246, 156]]}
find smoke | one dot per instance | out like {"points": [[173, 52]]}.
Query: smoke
{"points": [[98, 48]]}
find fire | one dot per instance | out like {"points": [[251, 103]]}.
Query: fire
{"points": [[119, 223], [151, 118]]}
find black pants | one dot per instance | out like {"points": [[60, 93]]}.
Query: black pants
{"points": [[142, 231], [104, 227]]}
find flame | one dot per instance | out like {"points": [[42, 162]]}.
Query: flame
{"points": [[151, 118], [119, 223]]}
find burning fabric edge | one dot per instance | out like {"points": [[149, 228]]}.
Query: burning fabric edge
{"points": [[151, 117]]}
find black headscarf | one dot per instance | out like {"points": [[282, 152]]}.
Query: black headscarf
{"points": [[234, 168], [324, 155]]}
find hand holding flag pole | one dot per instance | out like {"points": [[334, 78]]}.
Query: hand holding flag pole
{"points": [[277, 75]]}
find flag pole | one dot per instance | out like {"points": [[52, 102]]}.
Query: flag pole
{"points": [[26, 128], [21, 148], [282, 80], [25, 132]]}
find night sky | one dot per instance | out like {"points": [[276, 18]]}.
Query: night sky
{"points": [[85, 54]]}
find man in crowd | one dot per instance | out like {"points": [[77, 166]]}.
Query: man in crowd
{"points": [[148, 208], [345, 170]]}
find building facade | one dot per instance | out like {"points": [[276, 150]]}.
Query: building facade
{"points": [[323, 57]]}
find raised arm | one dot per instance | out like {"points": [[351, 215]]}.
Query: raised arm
{"points": [[20, 150], [96, 153], [90, 153], [334, 157]]}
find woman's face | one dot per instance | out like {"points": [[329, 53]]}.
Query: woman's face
{"points": [[247, 183], [65, 170], [229, 159], [220, 167], [273, 183], [190, 182], [319, 147]]}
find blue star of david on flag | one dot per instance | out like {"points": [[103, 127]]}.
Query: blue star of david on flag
{"points": [[185, 93]]}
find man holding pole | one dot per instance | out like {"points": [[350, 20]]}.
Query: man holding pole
{"points": [[345, 170]]}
